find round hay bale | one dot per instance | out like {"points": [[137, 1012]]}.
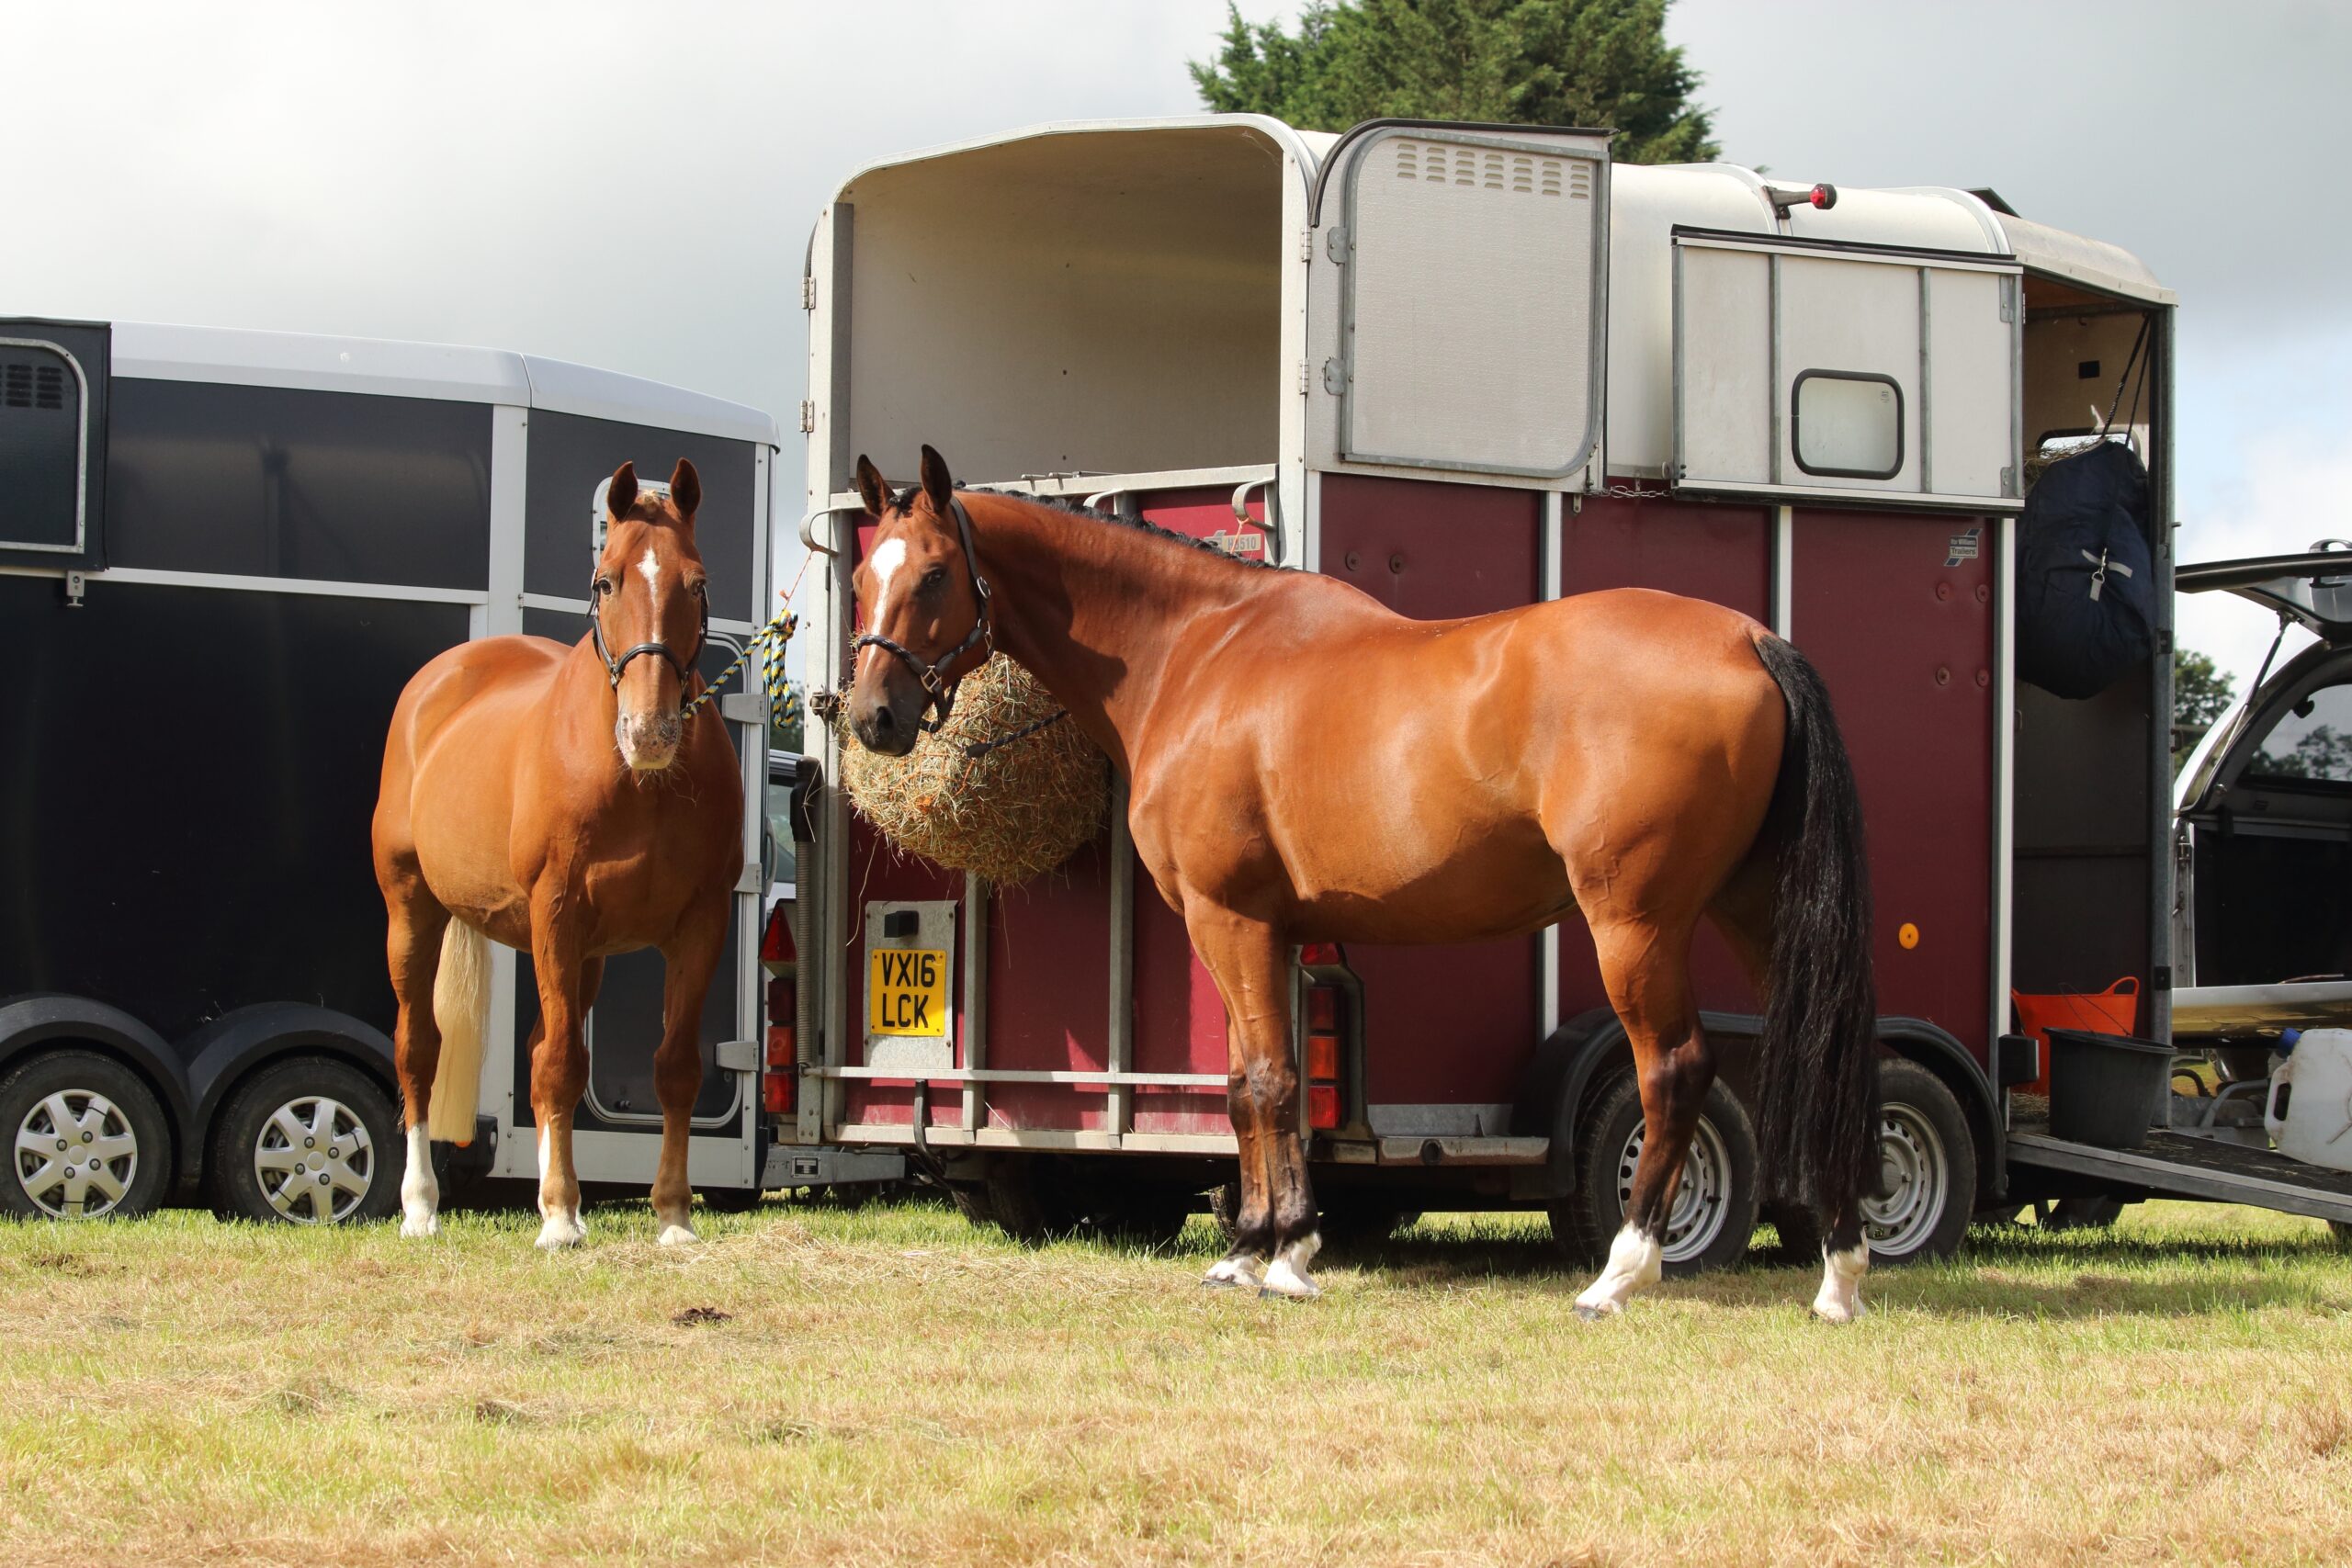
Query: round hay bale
{"points": [[1011, 813]]}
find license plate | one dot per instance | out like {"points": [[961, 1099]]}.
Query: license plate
{"points": [[906, 991]]}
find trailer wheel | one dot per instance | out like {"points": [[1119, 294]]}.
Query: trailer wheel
{"points": [[731, 1199], [308, 1142], [90, 1140], [1927, 1165], [2343, 1229], [1715, 1203], [1031, 1198]]}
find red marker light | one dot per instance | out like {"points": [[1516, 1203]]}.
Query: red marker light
{"points": [[1323, 1108], [1320, 956], [1823, 196]]}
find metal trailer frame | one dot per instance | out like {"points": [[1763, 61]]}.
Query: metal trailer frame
{"points": [[196, 1056]]}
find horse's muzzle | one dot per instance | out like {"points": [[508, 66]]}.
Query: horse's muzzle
{"points": [[648, 742], [884, 726]]}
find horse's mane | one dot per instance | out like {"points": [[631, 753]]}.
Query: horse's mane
{"points": [[1062, 503]]}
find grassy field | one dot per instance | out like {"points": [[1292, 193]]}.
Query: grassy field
{"points": [[890, 1385]]}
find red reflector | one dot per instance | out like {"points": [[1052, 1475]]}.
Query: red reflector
{"points": [[1323, 1107], [776, 942], [1323, 1056], [1323, 1008], [1320, 954]]}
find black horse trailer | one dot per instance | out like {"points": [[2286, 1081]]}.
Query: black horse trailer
{"points": [[223, 554]]}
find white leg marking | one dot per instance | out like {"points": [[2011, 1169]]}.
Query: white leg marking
{"points": [[676, 1232], [559, 1225], [1840, 1300], [1287, 1274], [420, 1194], [1634, 1260], [1240, 1268]]}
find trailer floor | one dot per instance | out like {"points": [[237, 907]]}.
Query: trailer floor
{"points": [[2182, 1167]]}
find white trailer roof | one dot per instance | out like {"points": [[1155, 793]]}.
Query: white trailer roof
{"points": [[147, 351]]}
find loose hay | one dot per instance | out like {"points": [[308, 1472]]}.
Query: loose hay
{"points": [[1009, 815]]}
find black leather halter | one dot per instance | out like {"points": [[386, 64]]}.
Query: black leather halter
{"points": [[613, 668], [939, 693]]}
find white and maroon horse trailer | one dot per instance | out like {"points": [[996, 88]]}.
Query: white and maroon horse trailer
{"points": [[1465, 367]]}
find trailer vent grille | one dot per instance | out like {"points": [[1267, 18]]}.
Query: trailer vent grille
{"points": [[1487, 168], [17, 386], [49, 388]]}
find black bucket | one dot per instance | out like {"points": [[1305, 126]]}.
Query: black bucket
{"points": [[2107, 1089]]}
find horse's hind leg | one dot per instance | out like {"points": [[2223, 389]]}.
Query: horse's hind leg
{"points": [[1743, 913], [1277, 1216], [687, 965], [1645, 966], [412, 947]]}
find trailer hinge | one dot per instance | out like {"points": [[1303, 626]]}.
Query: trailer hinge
{"points": [[1334, 377], [1306, 244], [2008, 300], [1335, 242], [2010, 479], [807, 416], [807, 290], [1306, 379]]}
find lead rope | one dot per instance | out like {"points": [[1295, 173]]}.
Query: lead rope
{"points": [[771, 638]]}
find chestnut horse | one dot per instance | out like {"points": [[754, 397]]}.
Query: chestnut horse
{"points": [[1305, 765], [565, 802]]}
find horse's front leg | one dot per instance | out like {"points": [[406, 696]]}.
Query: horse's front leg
{"points": [[1276, 1229], [559, 1065], [688, 965]]}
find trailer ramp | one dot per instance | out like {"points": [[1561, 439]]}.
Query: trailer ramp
{"points": [[2176, 1166]]}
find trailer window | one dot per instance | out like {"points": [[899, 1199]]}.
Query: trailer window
{"points": [[2311, 743], [1848, 425]]}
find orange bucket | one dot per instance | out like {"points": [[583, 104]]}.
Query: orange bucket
{"points": [[2115, 1010]]}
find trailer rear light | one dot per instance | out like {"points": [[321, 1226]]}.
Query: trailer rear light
{"points": [[1321, 955], [1322, 1010], [1322, 1058], [780, 1082], [776, 942], [1323, 1107]]}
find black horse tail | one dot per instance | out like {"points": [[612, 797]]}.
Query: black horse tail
{"points": [[1816, 1069]]}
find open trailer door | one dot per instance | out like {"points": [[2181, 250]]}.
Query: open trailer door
{"points": [[1824, 370], [1431, 229]]}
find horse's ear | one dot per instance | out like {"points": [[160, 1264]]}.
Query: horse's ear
{"points": [[936, 482], [621, 495], [685, 490], [872, 488]]}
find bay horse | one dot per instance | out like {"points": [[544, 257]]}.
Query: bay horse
{"points": [[564, 801], [1305, 765]]}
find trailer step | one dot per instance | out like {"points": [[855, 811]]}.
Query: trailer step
{"points": [[2198, 1167]]}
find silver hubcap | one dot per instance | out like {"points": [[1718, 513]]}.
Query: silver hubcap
{"points": [[1702, 1199], [76, 1155], [1916, 1179], [314, 1160]]}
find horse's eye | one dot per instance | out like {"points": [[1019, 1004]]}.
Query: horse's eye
{"points": [[934, 577], [701, 587], [602, 585]]}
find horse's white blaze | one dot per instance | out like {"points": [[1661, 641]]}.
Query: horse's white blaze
{"points": [[888, 556], [1286, 1276], [420, 1193], [1840, 1300], [1634, 1260], [650, 570]]}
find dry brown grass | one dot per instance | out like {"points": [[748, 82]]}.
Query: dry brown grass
{"points": [[889, 1386]]}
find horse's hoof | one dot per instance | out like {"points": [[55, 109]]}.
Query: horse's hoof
{"points": [[1288, 1283], [417, 1226], [1836, 1312], [1592, 1311], [557, 1235], [1238, 1272], [677, 1235]]}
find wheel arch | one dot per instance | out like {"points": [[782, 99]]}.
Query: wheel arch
{"points": [[42, 1021], [227, 1052], [1577, 1060]]}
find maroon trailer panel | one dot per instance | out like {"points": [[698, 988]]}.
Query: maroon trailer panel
{"points": [[878, 873], [1896, 611], [1443, 1025], [1703, 551], [1049, 993]]}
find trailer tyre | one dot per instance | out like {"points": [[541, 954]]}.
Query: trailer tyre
{"points": [[1715, 1203], [1928, 1164], [1032, 1198], [307, 1142], [88, 1139]]}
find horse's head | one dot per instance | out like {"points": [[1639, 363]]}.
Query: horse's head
{"points": [[924, 608], [648, 610]]}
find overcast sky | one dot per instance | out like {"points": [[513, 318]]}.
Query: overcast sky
{"points": [[632, 186]]}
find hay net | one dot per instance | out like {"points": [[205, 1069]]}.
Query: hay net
{"points": [[1009, 815]]}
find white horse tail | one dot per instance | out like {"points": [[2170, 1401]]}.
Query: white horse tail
{"points": [[461, 1009]]}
